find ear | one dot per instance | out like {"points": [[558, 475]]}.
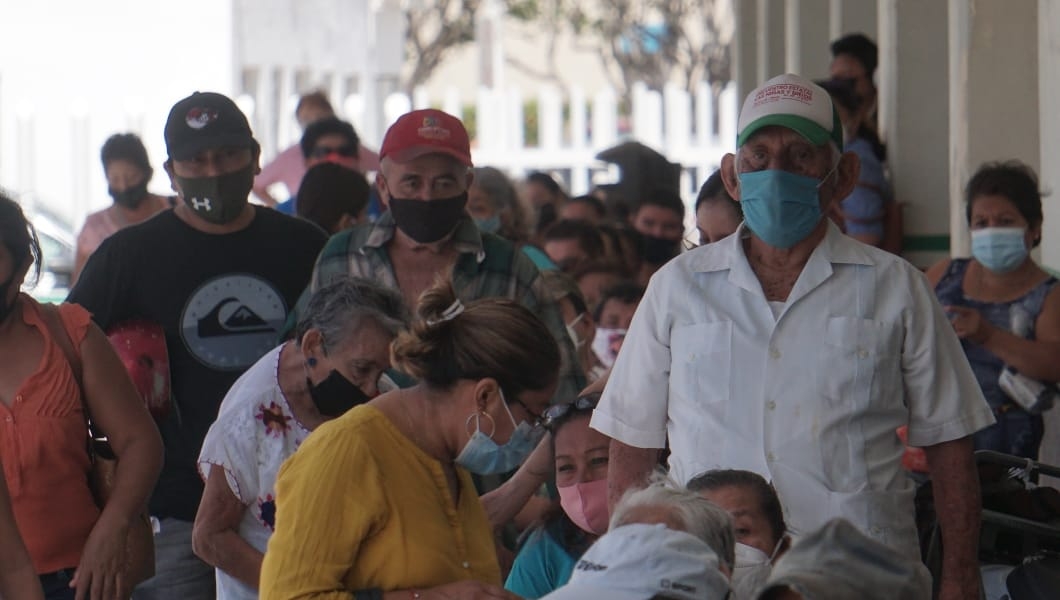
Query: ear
{"points": [[168, 166], [345, 221], [484, 390], [312, 345], [384, 190], [846, 176], [728, 176]]}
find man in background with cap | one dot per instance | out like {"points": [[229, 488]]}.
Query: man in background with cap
{"points": [[218, 275], [793, 351], [425, 172]]}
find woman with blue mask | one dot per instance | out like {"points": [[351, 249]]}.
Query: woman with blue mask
{"points": [[380, 502], [497, 209], [1003, 306]]}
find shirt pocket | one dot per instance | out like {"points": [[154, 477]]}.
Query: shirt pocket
{"points": [[858, 358], [701, 359]]}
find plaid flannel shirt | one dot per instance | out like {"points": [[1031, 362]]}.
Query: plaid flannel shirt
{"points": [[487, 266]]}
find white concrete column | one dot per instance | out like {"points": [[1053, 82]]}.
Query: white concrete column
{"points": [[745, 47], [993, 94], [852, 16], [806, 37], [769, 29], [913, 104], [1049, 121]]}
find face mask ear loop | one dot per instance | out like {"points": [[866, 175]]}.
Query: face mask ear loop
{"points": [[831, 172], [776, 548]]}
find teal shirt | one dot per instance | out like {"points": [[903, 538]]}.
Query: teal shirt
{"points": [[541, 567]]}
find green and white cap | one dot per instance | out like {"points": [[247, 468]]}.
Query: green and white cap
{"points": [[793, 102]]}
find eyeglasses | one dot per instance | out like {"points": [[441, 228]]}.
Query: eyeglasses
{"points": [[348, 151], [558, 412], [535, 418]]}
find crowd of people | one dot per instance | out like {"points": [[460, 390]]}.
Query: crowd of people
{"points": [[446, 383]]}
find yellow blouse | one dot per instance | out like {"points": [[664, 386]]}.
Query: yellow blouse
{"points": [[360, 506]]}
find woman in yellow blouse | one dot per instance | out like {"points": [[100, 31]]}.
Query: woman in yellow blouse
{"points": [[380, 501]]}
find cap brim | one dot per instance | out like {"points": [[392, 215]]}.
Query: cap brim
{"points": [[575, 591], [813, 132], [413, 152], [189, 149]]}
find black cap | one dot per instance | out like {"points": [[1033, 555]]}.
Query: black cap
{"points": [[206, 120]]}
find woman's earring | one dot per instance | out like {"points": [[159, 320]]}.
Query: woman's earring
{"points": [[312, 362]]}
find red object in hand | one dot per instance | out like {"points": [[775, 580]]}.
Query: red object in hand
{"points": [[913, 459], [141, 345]]}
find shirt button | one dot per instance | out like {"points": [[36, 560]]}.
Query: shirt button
{"points": [[771, 405], [466, 565], [774, 353]]}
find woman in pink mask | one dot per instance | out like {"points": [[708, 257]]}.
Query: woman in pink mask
{"points": [[551, 550]]}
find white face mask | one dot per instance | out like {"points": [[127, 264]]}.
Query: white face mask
{"points": [[604, 343], [751, 571]]}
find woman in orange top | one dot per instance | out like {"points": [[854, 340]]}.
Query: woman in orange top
{"points": [[74, 546]]}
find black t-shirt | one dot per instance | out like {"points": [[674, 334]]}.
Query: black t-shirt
{"points": [[222, 301]]}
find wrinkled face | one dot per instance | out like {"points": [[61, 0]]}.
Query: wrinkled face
{"points": [[428, 177], [750, 523], [658, 221], [617, 314], [715, 221], [581, 452], [333, 147], [568, 254], [122, 175], [579, 211], [845, 66], [361, 358], [998, 211]]}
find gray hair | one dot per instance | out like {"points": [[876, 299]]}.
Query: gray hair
{"points": [[700, 517], [502, 194], [342, 307]]}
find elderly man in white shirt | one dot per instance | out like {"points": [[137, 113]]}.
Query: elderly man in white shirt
{"points": [[793, 351]]}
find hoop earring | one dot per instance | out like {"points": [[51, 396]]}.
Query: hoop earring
{"points": [[478, 420]]}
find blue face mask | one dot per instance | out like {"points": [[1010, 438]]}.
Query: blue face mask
{"points": [[484, 456], [779, 207], [490, 225], [1000, 249]]}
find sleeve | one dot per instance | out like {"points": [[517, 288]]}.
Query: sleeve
{"points": [[532, 575], [635, 402], [76, 321], [323, 514], [232, 444], [944, 399], [102, 289], [333, 261]]}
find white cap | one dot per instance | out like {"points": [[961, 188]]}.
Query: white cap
{"points": [[793, 102], [638, 561]]}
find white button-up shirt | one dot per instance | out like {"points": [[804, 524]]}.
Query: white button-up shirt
{"points": [[811, 399]]}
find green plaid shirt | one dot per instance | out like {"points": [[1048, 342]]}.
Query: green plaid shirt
{"points": [[487, 266]]}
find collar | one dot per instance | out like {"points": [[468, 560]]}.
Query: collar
{"points": [[466, 239]]}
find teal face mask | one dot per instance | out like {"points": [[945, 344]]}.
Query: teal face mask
{"points": [[490, 225], [1000, 249], [484, 456], [779, 207]]}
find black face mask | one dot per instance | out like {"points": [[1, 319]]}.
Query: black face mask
{"points": [[427, 221], [130, 198], [658, 250], [219, 199], [335, 395]]}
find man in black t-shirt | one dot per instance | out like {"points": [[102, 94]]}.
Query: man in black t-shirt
{"points": [[219, 275]]}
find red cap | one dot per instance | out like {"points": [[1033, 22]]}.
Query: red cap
{"points": [[426, 131]]}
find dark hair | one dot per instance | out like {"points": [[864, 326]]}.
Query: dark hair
{"points": [[844, 93], [315, 98], [318, 129], [595, 203], [18, 235], [624, 245], [328, 191], [714, 192], [128, 147], [1012, 179], [587, 235], [626, 292], [861, 48], [546, 181], [491, 337], [341, 307], [606, 267], [664, 198], [768, 500]]}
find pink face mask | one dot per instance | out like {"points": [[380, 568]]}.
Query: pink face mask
{"points": [[586, 505]]}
